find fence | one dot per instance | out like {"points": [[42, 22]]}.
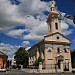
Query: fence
{"points": [[52, 67]]}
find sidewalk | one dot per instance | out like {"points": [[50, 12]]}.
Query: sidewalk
{"points": [[30, 70], [44, 71]]}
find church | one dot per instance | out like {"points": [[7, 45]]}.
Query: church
{"points": [[54, 49]]}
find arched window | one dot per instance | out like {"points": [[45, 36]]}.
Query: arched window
{"points": [[58, 50], [52, 9], [59, 64], [65, 50], [49, 50], [50, 27], [56, 26]]}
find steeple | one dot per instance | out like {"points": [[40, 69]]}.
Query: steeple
{"points": [[53, 5], [53, 8], [53, 20]]}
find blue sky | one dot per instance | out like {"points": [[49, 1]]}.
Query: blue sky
{"points": [[23, 23]]}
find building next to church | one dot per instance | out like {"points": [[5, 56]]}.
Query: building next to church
{"points": [[54, 49], [73, 58], [3, 61]]}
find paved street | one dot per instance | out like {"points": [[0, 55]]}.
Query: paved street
{"points": [[19, 72], [13, 72]]}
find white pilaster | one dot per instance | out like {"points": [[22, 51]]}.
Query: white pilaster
{"points": [[70, 67], [62, 69]]}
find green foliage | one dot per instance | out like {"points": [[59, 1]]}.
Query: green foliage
{"points": [[37, 61], [21, 57]]}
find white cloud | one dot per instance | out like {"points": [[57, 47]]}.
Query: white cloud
{"points": [[8, 49], [23, 14], [64, 25], [33, 7], [68, 32], [69, 22], [25, 43], [41, 29], [7, 13], [31, 21], [15, 14], [33, 37], [15, 32]]}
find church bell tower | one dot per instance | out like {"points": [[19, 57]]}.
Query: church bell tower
{"points": [[53, 20]]}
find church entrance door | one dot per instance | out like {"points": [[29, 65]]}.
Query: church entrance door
{"points": [[66, 66], [59, 64]]}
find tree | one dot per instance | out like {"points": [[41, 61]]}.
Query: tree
{"points": [[37, 61], [21, 57]]}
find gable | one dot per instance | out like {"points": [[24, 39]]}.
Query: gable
{"points": [[57, 37]]}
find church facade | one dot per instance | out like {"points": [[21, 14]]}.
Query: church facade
{"points": [[54, 49]]}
